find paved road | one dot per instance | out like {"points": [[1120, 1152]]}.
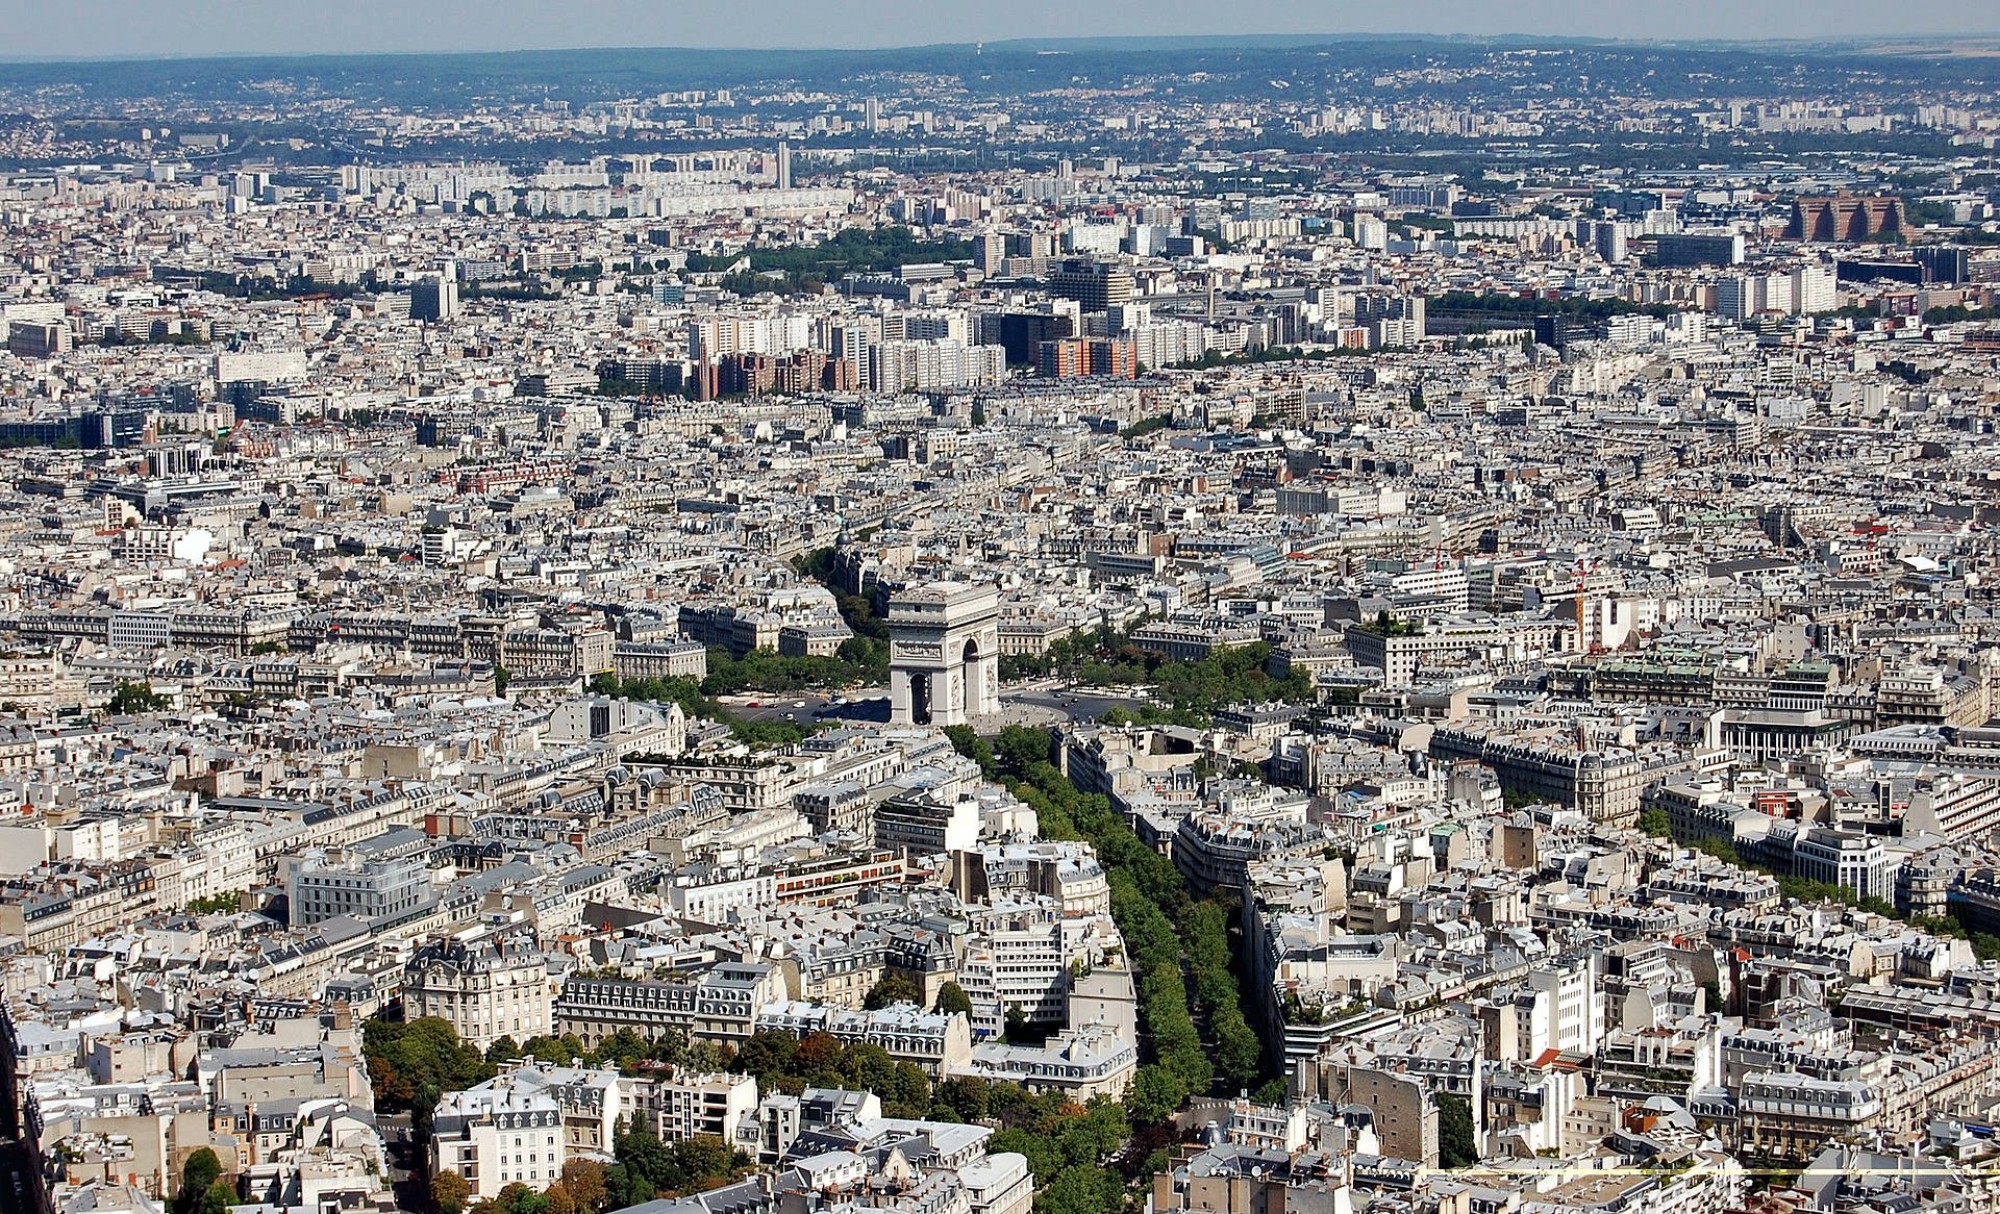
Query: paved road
{"points": [[863, 707], [1037, 703], [1079, 707], [406, 1169], [780, 706], [805, 707]]}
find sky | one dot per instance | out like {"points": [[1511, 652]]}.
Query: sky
{"points": [[127, 28]]}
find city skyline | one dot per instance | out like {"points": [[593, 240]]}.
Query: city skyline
{"points": [[113, 29], [1187, 624]]}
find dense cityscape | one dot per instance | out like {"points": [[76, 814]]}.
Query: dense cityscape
{"points": [[1257, 626]]}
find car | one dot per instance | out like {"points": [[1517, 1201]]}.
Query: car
{"points": [[798, 704], [753, 704]]}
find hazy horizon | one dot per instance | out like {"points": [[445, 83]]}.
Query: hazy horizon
{"points": [[112, 29]]}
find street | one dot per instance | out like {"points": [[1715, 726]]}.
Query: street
{"points": [[1081, 707], [1042, 701], [805, 707]]}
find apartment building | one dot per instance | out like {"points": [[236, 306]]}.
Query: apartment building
{"points": [[488, 987]]}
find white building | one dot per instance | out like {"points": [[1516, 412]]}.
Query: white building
{"points": [[710, 337], [1090, 1061], [682, 1106], [319, 886], [265, 366], [505, 1130], [935, 1041], [998, 1184], [1814, 290], [1575, 987], [711, 895], [487, 988], [1019, 967], [907, 366]]}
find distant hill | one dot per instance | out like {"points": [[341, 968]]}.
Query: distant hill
{"points": [[582, 76]]}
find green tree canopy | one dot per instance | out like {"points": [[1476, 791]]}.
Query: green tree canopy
{"points": [[648, 1168], [1457, 1145], [584, 1179], [952, 998], [129, 698], [894, 988], [201, 1170], [449, 1193], [406, 1061]]}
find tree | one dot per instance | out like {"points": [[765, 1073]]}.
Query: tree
{"points": [[623, 1049], [500, 680], [584, 1179], [671, 1047], [893, 988], [200, 1171], [1037, 1149], [220, 1196], [1155, 1093], [129, 698], [708, 1057], [409, 1064], [1238, 1052], [968, 743], [1083, 1189], [1722, 849], [908, 1091], [564, 1049], [1653, 821], [766, 735], [704, 1161], [423, 1108], [1016, 1026], [1098, 1133], [647, 1167], [640, 1156], [818, 1052], [952, 998], [505, 1049], [1457, 1146], [449, 1192], [1020, 746], [767, 1055], [967, 1096], [518, 1198]]}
